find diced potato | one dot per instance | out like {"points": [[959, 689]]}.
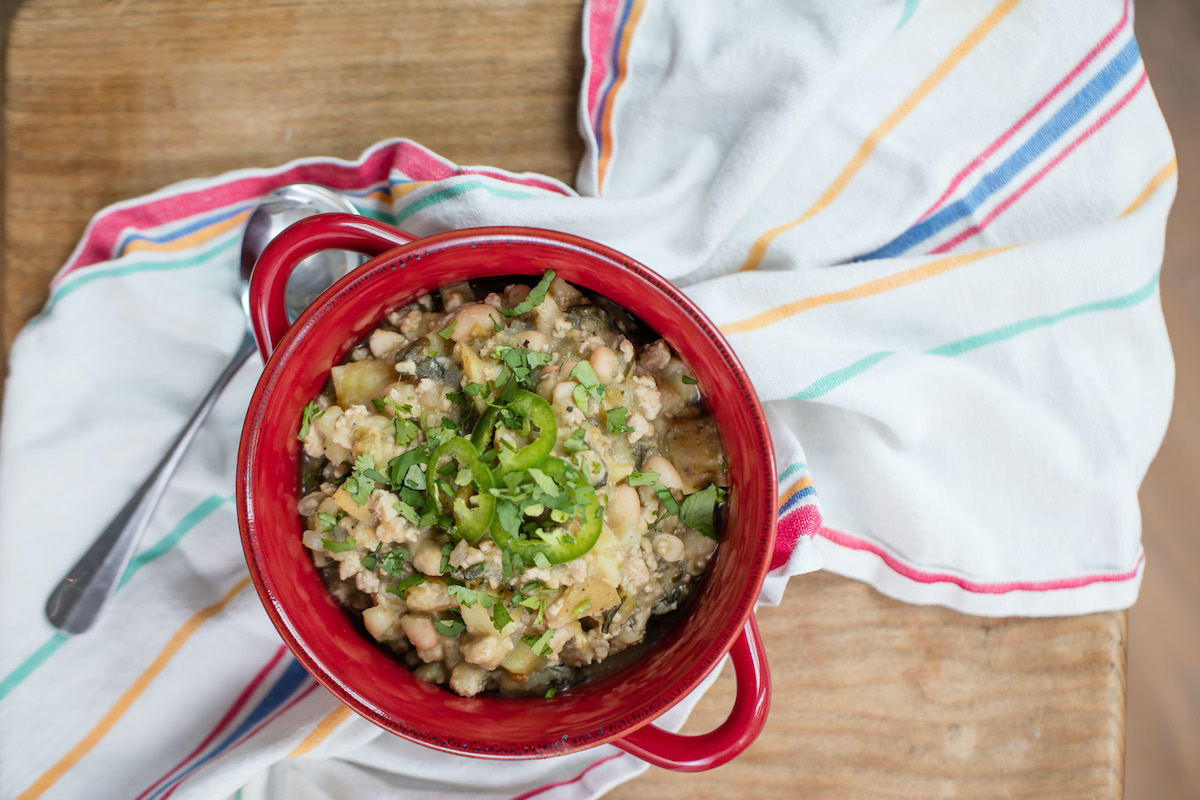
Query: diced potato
{"points": [[522, 661], [360, 382], [431, 595], [474, 371], [352, 507], [477, 619], [695, 450], [592, 596], [324, 425]]}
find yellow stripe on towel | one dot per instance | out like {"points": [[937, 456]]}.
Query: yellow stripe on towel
{"points": [[1160, 177], [114, 714], [320, 733], [960, 51], [877, 286]]}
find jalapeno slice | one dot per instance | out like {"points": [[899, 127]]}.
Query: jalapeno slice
{"points": [[485, 428], [563, 542], [472, 506], [539, 414]]}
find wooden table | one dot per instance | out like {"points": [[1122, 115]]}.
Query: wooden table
{"points": [[873, 698]]}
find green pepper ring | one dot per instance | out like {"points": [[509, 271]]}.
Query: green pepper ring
{"points": [[469, 523], [539, 412], [560, 551]]}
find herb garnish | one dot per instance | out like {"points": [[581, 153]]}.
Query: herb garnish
{"points": [[312, 412], [615, 420], [501, 617], [536, 295], [522, 362], [363, 478], [401, 588], [539, 644], [574, 443], [339, 547], [392, 562], [699, 509], [589, 388]]}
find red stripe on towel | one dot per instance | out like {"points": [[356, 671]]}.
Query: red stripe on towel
{"points": [[978, 587], [1045, 170], [1008, 134]]}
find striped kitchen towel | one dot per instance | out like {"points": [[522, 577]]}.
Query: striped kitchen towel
{"points": [[932, 231]]}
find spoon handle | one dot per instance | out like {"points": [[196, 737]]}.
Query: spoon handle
{"points": [[76, 602]]}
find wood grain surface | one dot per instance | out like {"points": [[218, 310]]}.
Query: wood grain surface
{"points": [[873, 698]]}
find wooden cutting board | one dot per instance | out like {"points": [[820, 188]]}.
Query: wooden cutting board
{"points": [[873, 698]]}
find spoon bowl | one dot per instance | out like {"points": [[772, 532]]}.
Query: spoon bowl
{"points": [[280, 210], [77, 601]]}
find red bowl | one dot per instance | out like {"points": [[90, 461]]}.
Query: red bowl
{"points": [[617, 708]]}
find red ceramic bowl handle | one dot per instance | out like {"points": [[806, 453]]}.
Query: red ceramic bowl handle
{"points": [[696, 753], [268, 309]]}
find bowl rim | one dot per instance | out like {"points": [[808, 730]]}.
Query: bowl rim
{"points": [[430, 246]]}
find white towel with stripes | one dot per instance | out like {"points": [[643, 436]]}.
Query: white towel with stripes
{"points": [[932, 231]]}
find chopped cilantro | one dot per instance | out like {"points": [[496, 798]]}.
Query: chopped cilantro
{"points": [[328, 521], [469, 597], [615, 420], [536, 295], [403, 586], [500, 617], [362, 480], [311, 413], [688, 379], [544, 481], [553, 690], [539, 644], [541, 561], [392, 562], [582, 607], [339, 547], [589, 388], [448, 331], [643, 478], [521, 363], [407, 511], [447, 549], [699, 509], [449, 627], [574, 443], [368, 561], [666, 498], [405, 430]]}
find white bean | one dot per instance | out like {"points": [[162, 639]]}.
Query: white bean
{"points": [[378, 620], [624, 509], [474, 319], [420, 631], [668, 547], [563, 393], [428, 558], [535, 340], [604, 362], [668, 476], [564, 372]]}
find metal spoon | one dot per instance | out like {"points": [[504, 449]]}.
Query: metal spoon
{"points": [[76, 602]]}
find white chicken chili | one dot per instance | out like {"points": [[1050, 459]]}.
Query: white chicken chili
{"points": [[506, 488]]}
